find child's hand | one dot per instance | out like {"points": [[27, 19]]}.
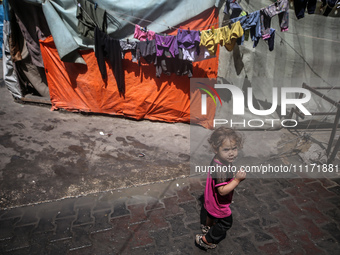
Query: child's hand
{"points": [[240, 175]]}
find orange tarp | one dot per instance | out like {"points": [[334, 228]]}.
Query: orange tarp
{"points": [[78, 87]]}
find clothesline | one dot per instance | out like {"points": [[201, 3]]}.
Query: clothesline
{"points": [[142, 19], [173, 27], [149, 21], [176, 28], [315, 37]]}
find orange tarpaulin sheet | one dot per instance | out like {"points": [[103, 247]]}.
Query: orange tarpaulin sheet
{"points": [[77, 87]]}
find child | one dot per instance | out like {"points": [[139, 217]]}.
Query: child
{"points": [[220, 186]]}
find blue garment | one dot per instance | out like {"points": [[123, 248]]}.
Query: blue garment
{"points": [[234, 7], [1, 28], [252, 22], [6, 10]]}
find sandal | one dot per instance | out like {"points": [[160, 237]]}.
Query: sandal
{"points": [[202, 244]]}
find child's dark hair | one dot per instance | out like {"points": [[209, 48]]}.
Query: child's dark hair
{"points": [[220, 134]]}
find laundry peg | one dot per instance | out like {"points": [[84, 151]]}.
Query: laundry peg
{"points": [[188, 29], [212, 29]]}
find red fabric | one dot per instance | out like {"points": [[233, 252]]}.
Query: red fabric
{"points": [[77, 87]]}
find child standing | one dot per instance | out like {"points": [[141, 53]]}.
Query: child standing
{"points": [[220, 186]]}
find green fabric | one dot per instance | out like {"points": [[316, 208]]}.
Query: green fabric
{"points": [[89, 16]]}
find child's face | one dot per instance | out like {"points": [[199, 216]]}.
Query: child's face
{"points": [[227, 151]]}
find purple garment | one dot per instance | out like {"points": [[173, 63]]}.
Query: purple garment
{"points": [[188, 39], [168, 43]]}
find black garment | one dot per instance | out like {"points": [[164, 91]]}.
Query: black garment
{"points": [[106, 47], [271, 39], [235, 8], [301, 5], [329, 6], [168, 65], [146, 50], [218, 231], [89, 16]]}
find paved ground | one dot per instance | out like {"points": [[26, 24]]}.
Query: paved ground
{"points": [[51, 155], [68, 189], [294, 216]]}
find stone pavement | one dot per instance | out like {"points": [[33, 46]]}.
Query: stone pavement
{"points": [[271, 216]]}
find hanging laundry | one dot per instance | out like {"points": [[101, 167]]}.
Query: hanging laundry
{"points": [[204, 54], [166, 43], [170, 58], [147, 50], [231, 34], [89, 16], [128, 45], [225, 36], [280, 8], [328, 5], [234, 7], [270, 40], [188, 41], [108, 48], [252, 23], [210, 39], [169, 65], [301, 5], [143, 34]]}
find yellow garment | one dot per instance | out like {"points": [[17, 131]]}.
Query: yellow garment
{"points": [[230, 35], [224, 36], [210, 39]]}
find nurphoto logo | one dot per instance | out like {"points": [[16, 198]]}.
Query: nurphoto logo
{"points": [[239, 103], [204, 97]]}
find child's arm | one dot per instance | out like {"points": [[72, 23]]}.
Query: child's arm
{"points": [[226, 189]]}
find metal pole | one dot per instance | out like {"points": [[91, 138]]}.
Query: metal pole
{"points": [[336, 122], [335, 150]]}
